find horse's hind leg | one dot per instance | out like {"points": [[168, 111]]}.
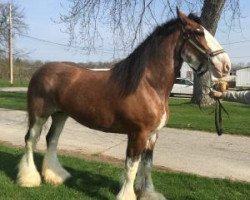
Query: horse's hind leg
{"points": [[28, 176], [52, 171]]}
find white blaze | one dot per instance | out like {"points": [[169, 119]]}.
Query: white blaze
{"points": [[221, 62]]}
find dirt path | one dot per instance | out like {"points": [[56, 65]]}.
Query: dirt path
{"points": [[195, 152], [13, 89]]}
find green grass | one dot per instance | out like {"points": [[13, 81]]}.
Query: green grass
{"points": [[13, 100], [183, 114], [17, 83], [100, 181]]}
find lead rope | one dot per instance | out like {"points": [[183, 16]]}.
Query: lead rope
{"points": [[218, 115]]}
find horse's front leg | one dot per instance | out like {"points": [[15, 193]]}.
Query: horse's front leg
{"points": [[143, 184], [136, 145]]}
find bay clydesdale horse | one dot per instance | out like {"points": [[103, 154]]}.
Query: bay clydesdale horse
{"points": [[131, 98]]}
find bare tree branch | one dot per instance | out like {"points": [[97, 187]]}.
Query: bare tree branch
{"points": [[18, 24], [128, 20]]}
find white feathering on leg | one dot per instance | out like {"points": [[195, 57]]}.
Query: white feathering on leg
{"points": [[52, 171], [28, 176], [152, 196], [127, 190]]}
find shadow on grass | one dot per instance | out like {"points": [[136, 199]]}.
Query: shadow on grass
{"points": [[8, 164], [93, 185]]}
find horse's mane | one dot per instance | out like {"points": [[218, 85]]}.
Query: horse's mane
{"points": [[128, 72], [195, 18]]}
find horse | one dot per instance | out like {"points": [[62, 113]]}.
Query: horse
{"points": [[131, 98]]}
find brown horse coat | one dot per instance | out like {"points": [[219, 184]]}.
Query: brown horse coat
{"points": [[131, 98]]}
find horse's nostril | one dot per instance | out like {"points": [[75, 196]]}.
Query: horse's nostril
{"points": [[226, 68]]}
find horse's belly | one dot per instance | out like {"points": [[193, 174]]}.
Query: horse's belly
{"points": [[103, 122]]}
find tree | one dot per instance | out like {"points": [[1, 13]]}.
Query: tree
{"points": [[210, 16], [18, 24], [131, 19]]}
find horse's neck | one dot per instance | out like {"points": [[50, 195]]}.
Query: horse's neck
{"points": [[162, 69]]}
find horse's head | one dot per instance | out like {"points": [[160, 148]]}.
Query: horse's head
{"points": [[201, 50]]}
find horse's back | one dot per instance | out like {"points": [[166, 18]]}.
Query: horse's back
{"points": [[56, 75]]}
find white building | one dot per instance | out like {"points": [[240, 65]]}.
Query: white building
{"points": [[186, 72], [243, 78]]}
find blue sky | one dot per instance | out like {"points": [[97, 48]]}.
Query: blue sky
{"points": [[39, 15]]}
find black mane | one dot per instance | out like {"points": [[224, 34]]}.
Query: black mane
{"points": [[128, 72], [195, 18]]}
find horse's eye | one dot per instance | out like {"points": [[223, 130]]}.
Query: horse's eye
{"points": [[199, 31]]}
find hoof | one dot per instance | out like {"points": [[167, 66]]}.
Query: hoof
{"points": [[29, 180], [28, 176], [52, 172], [126, 195], [55, 177], [152, 196]]}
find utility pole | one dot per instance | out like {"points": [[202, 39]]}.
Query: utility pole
{"points": [[10, 48]]}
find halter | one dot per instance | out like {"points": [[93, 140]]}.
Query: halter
{"points": [[218, 106], [206, 53], [203, 51]]}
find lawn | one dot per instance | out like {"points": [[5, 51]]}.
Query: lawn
{"points": [[13, 100], [100, 181], [183, 114], [17, 83]]}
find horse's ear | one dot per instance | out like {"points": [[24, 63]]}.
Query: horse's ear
{"points": [[183, 18]]}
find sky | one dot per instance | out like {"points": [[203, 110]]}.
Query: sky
{"points": [[40, 15]]}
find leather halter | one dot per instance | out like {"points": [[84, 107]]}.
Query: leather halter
{"points": [[187, 38], [203, 51]]}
